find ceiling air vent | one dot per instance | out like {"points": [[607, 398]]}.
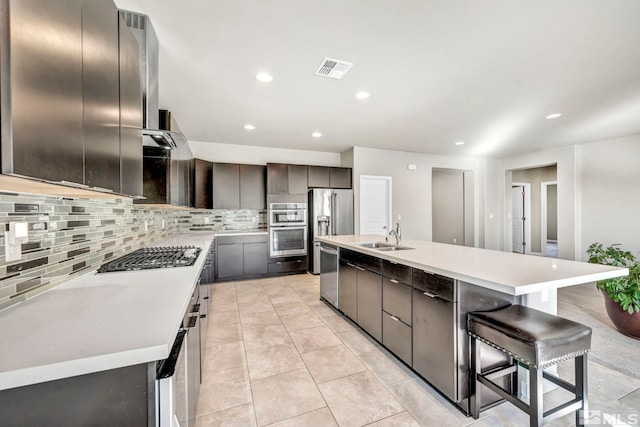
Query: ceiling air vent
{"points": [[333, 68]]}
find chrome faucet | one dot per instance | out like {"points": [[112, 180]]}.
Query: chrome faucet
{"points": [[397, 233]]}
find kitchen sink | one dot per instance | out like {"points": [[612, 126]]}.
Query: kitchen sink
{"points": [[376, 245], [384, 246]]}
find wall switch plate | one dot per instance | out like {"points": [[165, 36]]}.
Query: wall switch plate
{"points": [[206, 220], [455, 240]]}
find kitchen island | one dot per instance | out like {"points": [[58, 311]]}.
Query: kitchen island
{"points": [[414, 299]]}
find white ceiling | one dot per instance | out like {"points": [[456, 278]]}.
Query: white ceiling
{"points": [[439, 71]]}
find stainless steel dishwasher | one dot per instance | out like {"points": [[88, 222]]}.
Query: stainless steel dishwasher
{"points": [[329, 274]]}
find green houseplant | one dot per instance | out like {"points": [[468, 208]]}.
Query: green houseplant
{"points": [[622, 294]]}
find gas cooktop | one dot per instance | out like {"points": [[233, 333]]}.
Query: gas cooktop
{"points": [[157, 257]]}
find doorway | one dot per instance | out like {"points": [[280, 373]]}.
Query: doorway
{"points": [[375, 204], [534, 238], [521, 217], [549, 218]]}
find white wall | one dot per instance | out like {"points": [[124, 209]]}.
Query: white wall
{"points": [[611, 193], [412, 189], [249, 154]]}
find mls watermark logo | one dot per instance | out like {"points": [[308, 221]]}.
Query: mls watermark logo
{"points": [[599, 418]]}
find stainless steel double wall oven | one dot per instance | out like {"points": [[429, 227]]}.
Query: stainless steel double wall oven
{"points": [[287, 229]]}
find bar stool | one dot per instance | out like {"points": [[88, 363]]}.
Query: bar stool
{"points": [[535, 340]]}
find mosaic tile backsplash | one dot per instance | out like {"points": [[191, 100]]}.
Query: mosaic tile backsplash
{"points": [[68, 237]]}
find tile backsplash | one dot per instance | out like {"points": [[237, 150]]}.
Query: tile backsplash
{"points": [[69, 236]]}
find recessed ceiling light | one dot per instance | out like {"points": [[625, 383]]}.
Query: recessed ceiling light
{"points": [[249, 127], [363, 95], [459, 143], [553, 116], [264, 77], [316, 134]]}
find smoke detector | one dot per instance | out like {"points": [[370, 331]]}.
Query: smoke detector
{"points": [[333, 68]]}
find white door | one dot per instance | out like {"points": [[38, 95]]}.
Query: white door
{"points": [[375, 204], [517, 215]]}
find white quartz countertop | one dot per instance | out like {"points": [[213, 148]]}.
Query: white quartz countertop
{"points": [[507, 272], [98, 322]]}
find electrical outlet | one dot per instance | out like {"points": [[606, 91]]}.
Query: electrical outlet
{"points": [[53, 226], [206, 220], [146, 225], [163, 224], [399, 217], [455, 240]]}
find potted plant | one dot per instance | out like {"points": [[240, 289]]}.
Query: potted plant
{"points": [[622, 294]]}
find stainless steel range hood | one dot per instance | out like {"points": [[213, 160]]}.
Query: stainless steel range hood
{"points": [[158, 130]]}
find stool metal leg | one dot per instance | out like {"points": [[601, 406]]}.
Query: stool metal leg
{"points": [[536, 397], [474, 386], [581, 387]]}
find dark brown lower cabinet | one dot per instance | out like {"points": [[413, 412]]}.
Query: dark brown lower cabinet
{"points": [[241, 255], [369, 302], [348, 292]]}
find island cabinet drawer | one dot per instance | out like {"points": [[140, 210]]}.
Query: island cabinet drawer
{"points": [[396, 271], [396, 336], [396, 299], [434, 285], [361, 260]]}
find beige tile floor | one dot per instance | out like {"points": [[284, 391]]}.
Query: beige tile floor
{"points": [[278, 356]]}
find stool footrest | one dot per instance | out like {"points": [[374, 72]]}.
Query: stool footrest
{"points": [[499, 372], [560, 382], [503, 393], [562, 410]]}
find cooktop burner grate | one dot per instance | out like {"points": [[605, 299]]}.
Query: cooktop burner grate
{"points": [[158, 257]]}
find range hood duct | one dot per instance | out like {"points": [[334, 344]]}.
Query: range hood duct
{"points": [[159, 128]]}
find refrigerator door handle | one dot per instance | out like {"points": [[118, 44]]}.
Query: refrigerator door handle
{"points": [[332, 220]]}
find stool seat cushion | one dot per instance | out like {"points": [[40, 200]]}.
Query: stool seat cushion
{"points": [[535, 338]]}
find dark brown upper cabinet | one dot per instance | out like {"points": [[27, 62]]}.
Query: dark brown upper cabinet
{"points": [[101, 92], [238, 186], [286, 179], [329, 177], [203, 180], [75, 88], [340, 177], [319, 177], [253, 183], [226, 186]]}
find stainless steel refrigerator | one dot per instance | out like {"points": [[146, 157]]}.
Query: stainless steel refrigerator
{"points": [[330, 214]]}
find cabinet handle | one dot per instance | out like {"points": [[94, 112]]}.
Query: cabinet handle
{"points": [[430, 294], [202, 316], [359, 268], [205, 298], [393, 281], [350, 265], [278, 262], [192, 322], [394, 318], [196, 308], [299, 260]]}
